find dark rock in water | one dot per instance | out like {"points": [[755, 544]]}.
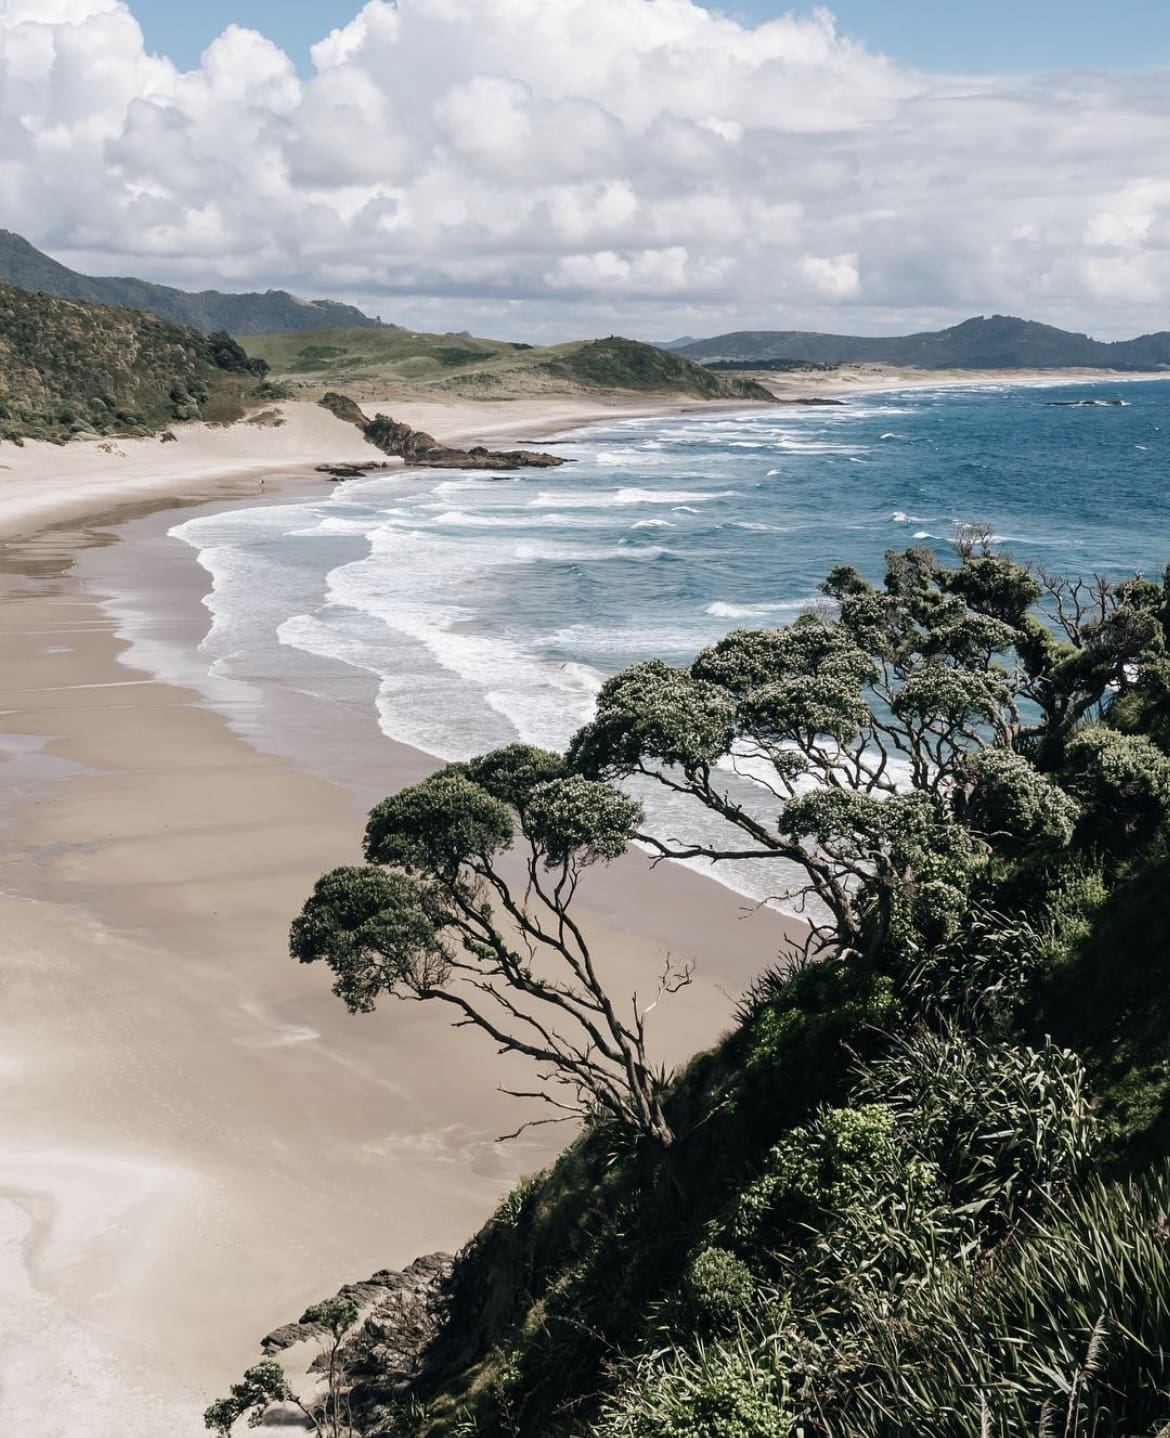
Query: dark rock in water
{"points": [[1083, 403], [415, 446], [345, 470], [813, 400]]}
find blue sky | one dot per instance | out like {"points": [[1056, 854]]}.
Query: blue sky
{"points": [[994, 36]]}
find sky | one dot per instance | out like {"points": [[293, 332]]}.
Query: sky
{"points": [[543, 169], [992, 35]]}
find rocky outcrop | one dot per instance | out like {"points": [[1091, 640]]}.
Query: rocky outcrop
{"points": [[346, 409], [416, 447], [344, 470], [383, 1356], [400, 1311]]}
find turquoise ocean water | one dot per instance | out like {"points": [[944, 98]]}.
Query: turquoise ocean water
{"points": [[470, 610], [488, 608]]}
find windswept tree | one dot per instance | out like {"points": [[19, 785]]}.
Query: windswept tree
{"points": [[466, 900], [879, 748], [265, 1386]]}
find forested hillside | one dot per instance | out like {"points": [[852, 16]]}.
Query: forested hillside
{"points": [[72, 370], [922, 1187]]}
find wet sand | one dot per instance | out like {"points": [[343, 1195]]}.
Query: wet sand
{"points": [[196, 1140]]}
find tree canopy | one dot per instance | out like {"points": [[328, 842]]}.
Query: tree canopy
{"points": [[882, 747]]}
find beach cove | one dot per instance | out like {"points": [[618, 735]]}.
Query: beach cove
{"points": [[198, 1140]]}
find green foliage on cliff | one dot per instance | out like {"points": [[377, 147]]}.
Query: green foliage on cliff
{"points": [[922, 1186], [71, 369]]}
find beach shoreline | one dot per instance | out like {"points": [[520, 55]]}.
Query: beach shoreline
{"points": [[43, 484], [198, 1139]]}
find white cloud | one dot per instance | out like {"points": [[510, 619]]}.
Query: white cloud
{"points": [[585, 166], [834, 277]]}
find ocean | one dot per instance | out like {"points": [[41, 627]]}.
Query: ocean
{"points": [[485, 609]]}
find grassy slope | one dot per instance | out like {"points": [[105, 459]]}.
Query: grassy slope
{"points": [[1111, 1001], [68, 367], [582, 1263], [457, 364]]}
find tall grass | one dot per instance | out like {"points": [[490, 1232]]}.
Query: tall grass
{"points": [[1062, 1332]]}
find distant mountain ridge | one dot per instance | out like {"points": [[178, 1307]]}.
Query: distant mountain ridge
{"points": [[25, 267], [998, 342]]}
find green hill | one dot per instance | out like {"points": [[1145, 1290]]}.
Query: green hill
{"points": [[460, 364], [1000, 342], [68, 368], [26, 267]]}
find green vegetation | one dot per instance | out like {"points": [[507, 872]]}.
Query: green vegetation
{"points": [[265, 1385], [485, 369], [922, 1186], [420, 922], [72, 370]]}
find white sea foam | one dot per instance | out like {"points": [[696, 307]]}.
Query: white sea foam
{"points": [[622, 498], [720, 610], [443, 687]]}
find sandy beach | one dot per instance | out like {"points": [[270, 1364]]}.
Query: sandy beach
{"points": [[43, 484], [196, 1140]]}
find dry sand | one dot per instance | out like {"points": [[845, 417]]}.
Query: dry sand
{"points": [[195, 1139]]}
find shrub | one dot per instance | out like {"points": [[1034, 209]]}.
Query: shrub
{"points": [[719, 1288], [1005, 1124], [819, 1168], [723, 1391], [1123, 780]]}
